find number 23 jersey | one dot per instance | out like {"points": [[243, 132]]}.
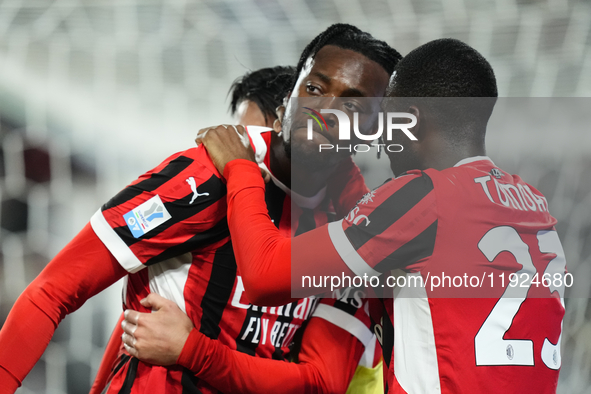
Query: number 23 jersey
{"points": [[486, 314]]}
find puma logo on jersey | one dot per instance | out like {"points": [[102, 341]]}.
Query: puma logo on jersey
{"points": [[193, 185]]}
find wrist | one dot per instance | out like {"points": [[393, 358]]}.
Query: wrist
{"points": [[189, 357], [9, 382], [241, 166], [242, 174]]}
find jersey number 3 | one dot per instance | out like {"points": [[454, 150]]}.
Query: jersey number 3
{"points": [[489, 345]]}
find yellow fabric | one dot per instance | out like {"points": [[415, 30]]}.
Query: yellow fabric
{"points": [[367, 380]]}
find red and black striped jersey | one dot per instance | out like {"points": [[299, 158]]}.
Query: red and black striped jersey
{"points": [[169, 230], [456, 324]]}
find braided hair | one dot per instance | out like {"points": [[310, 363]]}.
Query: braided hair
{"points": [[347, 36]]}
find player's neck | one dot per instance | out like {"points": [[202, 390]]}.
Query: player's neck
{"points": [[309, 183], [441, 159], [440, 149]]}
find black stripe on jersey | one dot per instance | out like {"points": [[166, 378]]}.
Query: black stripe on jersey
{"points": [[387, 336], [414, 250], [347, 306], [246, 345], [180, 210], [296, 344], [275, 198], [219, 290], [208, 237], [189, 383], [124, 359], [172, 169], [130, 377], [278, 353], [391, 210]]}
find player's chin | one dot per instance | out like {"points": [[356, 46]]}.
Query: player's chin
{"points": [[310, 155], [300, 136]]}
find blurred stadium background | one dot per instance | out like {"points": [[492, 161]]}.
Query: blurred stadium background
{"points": [[95, 92]]}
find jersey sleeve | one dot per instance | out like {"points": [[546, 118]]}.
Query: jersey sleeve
{"points": [[327, 361], [175, 208], [391, 227], [347, 309], [82, 269]]}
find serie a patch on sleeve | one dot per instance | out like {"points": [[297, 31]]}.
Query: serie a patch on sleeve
{"points": [[146, 217]]}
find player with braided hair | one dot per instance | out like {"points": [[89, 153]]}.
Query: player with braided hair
{"points": [[346, 36]]}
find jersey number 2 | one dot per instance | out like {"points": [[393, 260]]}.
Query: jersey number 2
{"points": [[490, 347]]}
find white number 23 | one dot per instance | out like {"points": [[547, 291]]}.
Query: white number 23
{"points": [[490, 347]]}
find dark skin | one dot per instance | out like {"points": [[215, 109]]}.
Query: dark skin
{"points": [[433, 148], [334, 72], [351, 74]]}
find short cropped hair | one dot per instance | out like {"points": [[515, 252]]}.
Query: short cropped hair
{"points": [[449, 68]]}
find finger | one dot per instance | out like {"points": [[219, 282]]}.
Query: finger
{"points": [[240, 129], [266, 175], [132, 351], [129, 340], [236, 130], [243, 137], [241, 132], [128, 328], [230, 127], [155, 301], [201, 133], [135, 317], [132, 316]]}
